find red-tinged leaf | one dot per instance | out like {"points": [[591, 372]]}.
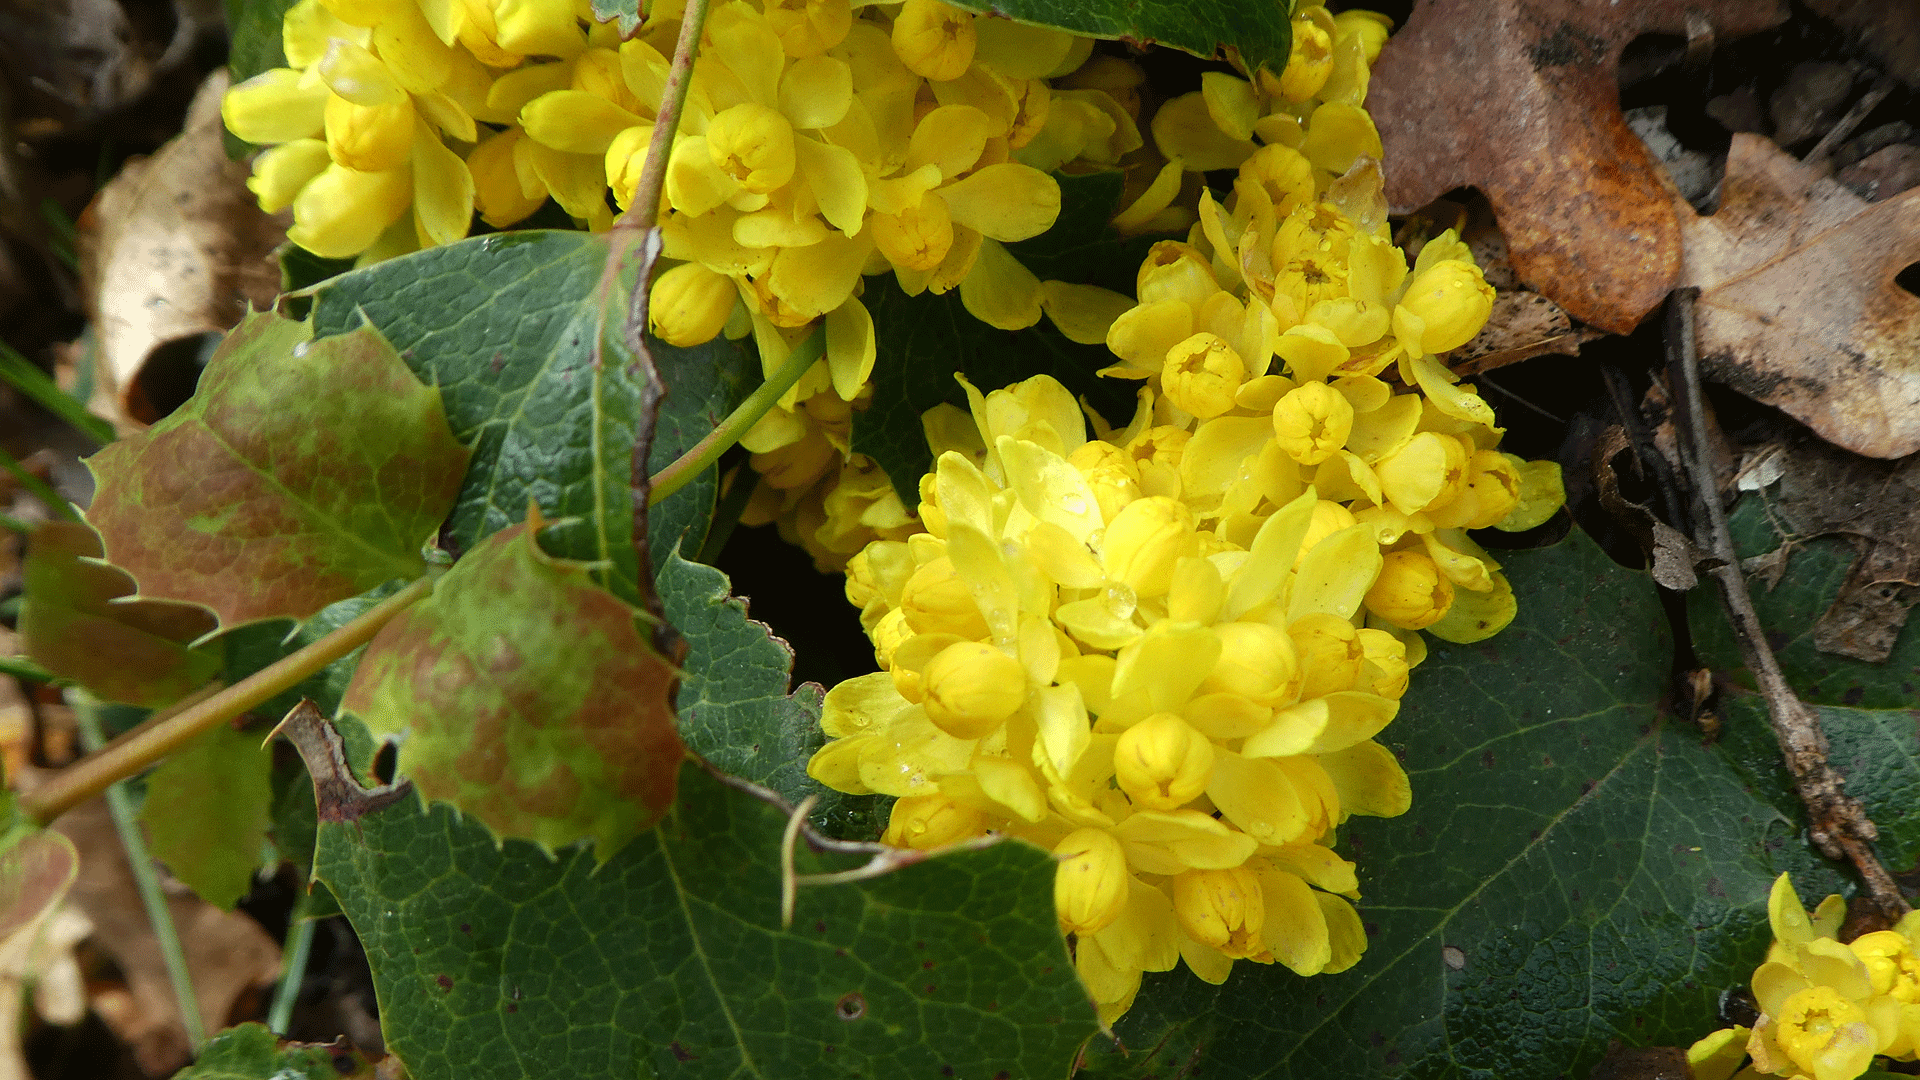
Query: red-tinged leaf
{"points": [[302, 472], [135, 652], [529, 698]]}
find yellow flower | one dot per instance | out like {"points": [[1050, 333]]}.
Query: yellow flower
{"points": [[1221, 908], [933, 39], [1312, 422], [971, 689], [1443, 308], [690, 304], [1090, 888], [1162, 762], [1201, 375], [931, 821], [1410, 592]]}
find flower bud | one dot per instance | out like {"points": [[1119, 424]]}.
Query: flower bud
{"points": [[341, 212], [1330, 652], [1384, 670], [753, 144], [937, 601], [538, 28], [922, 822], [1451, 300], [809, 27], [1328, 518], [1145, 541], [1221, 908], [1495, 486], [497, 191], [280, 173], [934, 40], [918, 237], [1162, 762], [1891, 963], [1370, 27], [1201, 375], [274, 107], [1428, 471], [1175, 270], [690, 304], [972, 688], [1410, 592], [1090, 885], [1312, 422], [369, 138], [1311, 60], [1257, 661]]}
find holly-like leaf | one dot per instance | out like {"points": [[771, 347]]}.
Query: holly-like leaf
{"points": [[206, 813], [140, 653], [671, 960], [526, 696], [1576, 868], [627, 11], [1259, 33], [1595, 230], [301, 473], [734, 707], [925, 340], [252, 1052], [526, 343]]}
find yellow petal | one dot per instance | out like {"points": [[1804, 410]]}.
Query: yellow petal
{"points": [[341, 212], [442, 190], [578, 182], [816, 279], [1083, 313], [1295, 928], [358, 76], [695, 185], [280, 173], [1171, 841], [816, 92], [1185, 132], [837, 182], [850, 347], [1230, 103], [1476, 616], [1000, 291], [1337, 134], [370, 138], [576, 122], [1369, 780], [273, 107], [1336, 574], [950, 137], [1256, 796], [1018, 51], [512, 90], [1008, 201]]}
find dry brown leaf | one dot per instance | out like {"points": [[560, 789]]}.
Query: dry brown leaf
{"points": [[228, 954], [173, 248], [1519, 99], [1798, 305]]}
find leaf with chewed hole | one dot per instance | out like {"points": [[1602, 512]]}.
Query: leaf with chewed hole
{"points": [[139, 653], [302, 472], [528, 697]]}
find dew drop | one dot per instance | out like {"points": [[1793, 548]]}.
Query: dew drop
{"points": [[1120, 600], [1073, 504], [300, 349]]}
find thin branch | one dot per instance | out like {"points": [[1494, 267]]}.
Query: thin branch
{"points": [[1839, 826], [708, 450], [152, 897], [158, 737]]}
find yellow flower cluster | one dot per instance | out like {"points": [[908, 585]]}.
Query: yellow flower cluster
{"points": [[1826, 1008]]}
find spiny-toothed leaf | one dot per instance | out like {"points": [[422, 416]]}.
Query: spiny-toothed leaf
{"points": [[138, 653], [528, 697], [498, 962], [525, 334], [206, 813], [252, 1052], [1259, 32], [302, 472]]}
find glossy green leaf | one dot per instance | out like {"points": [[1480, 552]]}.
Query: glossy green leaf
{"points": [[301, 473], [1259, 32], [925, 340], [1576, 868], [140, 653], [206, 813], [527, 350], [251, 1052], [670, 960], [1809, 582], [734, 707], [528, 697], [253, 30]]}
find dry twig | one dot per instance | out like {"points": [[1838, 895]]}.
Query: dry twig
{"points": [[1839, 826]]}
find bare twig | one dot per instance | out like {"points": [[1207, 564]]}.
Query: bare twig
{"points": [[159, 737], [1817, 157], [1839, 827]]}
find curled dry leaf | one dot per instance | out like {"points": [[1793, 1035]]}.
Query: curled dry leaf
{"points": [[174, 248], [1584, 205], [1798, 305]]}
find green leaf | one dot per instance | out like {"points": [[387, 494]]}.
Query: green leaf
{"points": [[1576, 868], [734, 707], [524, 695], [140, 653], [301, 473], [251, 1052], [1260, 32], [628, 11], [516, 332], [253, 29], [925, 340], [1811, 579], [670, 960], [206, 813]]}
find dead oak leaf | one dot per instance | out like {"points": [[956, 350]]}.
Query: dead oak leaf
{"points": [[1519, 98], [1798, 305]]}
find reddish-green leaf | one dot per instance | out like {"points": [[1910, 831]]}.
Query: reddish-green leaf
{"points": [[529, 698], [302, 472], [206, 813], [136, 652]]}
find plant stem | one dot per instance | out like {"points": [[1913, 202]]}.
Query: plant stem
{"points": [[38, 488], [126, 823], [644, 211], [161, 736], [708, 450], [14, 524], [22, 668], [27, 378], [294, 969]]}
